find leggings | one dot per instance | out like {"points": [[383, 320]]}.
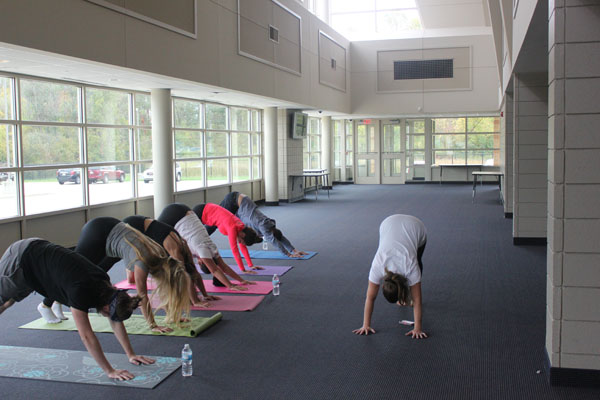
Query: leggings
{"points": [[420, 252], [172, 213]]}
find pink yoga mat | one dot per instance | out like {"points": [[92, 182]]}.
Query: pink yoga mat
{"points": [[228, 303], [259, 288]]}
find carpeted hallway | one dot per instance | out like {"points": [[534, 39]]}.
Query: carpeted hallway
{"points": [[483, 300]]}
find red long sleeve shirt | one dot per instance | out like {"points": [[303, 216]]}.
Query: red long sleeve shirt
{"points": [[229, 225]]}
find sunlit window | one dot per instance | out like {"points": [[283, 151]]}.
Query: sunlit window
{"points": [[374, 19]]}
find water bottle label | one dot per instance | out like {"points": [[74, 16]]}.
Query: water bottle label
{"points": [[186, 358]]}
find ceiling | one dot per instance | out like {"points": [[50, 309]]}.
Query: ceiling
{"points": [[436, 14]]}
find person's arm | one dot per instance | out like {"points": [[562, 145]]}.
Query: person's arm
{"points": [[93, 347], [246, 255], [140, 284], [197, 282], [417, 331], [233, 244], [372, 290], [6, 304], [218, 273], [121, 334], [229, 271]]}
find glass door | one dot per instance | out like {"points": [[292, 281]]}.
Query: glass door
{"points": [[367, 152], [415, 149], [392, 152]]}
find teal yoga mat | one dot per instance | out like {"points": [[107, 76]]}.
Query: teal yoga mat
{"points": [[79, 367], [266, 254]]}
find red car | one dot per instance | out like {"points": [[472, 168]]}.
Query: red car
{"points": [[105, 174]]}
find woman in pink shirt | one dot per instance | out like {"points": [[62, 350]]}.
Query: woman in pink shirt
{"points": [[230, 226]]}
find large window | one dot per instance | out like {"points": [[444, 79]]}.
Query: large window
{"points": [[70, 145], [215, 144], [312, 145], [466, 141], [373, 19]]}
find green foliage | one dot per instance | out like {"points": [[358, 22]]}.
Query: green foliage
{"points": [[216, 117], [108, 107], [47, 145], [188, 144], [187, 114], [49, 102]]}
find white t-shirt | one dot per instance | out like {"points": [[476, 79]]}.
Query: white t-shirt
{"points": [[400, 236], [193, 231]]}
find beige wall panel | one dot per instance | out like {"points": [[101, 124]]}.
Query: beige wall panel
{"points": [[245, 188], [287, 24], [9, 233], [191, 198], [63, 229], [70, 27], [146, 207], [385, 59], [179, 14], [254, 40], [287, 55], [258, 11], [118, 210], [460, 81], [386, 83], [216, 195]]}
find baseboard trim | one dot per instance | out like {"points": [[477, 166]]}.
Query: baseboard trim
{"points": [[589, 378], [529, 241], [327, 187], [272, 203], [508, 215]]}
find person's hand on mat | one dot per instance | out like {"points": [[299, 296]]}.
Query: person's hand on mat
{"points": [[184, 319], [364, 330], [245, 282], [211, 298], [256, 267], [416, 334], [161, 329], [120, 374], [202, 303], [295, 255], [250, 272], [237, 288], [137, 360]]}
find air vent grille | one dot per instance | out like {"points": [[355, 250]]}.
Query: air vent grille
{"points": [[274, 34], [424, 69]]}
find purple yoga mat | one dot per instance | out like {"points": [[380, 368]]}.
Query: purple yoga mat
{"points": [[268, 270], [227, 303], [258, 288]]}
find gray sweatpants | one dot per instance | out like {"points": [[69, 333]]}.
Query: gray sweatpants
{"points": [[12, 281]]}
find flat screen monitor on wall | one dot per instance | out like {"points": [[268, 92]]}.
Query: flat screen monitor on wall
{"points": [[299, 125]]}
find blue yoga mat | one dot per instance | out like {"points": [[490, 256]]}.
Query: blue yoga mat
{"points": [[271, 255]]}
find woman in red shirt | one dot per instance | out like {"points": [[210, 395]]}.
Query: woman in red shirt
{"points": [[230, 226]]}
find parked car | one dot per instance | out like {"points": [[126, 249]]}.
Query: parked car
{"points": [[68, 175], [148, 174], [105, 174], [95, 174]]}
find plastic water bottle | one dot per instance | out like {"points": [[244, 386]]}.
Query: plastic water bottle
{"points": [[275, 285], [265, 245], [186, 361]]}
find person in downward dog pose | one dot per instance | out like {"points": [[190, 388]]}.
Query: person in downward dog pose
{"points": [[189, 226], [106, 240], [246, 210], [37, 265], [177, 248], [398, 266]]}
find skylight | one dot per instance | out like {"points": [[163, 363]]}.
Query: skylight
{"points": [[374, 19]]}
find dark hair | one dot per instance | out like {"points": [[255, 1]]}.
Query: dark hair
{"points": [[277, 233], [250, 236], [125, 304], [395, 288]]}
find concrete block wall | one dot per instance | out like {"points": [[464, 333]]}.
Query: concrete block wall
{"points": [[530, 147], [290, 154], [573, 264], [506, 147]]}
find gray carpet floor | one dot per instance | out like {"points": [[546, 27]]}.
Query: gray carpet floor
{"points": [[484, 309]]}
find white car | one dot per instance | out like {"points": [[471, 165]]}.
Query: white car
{"points": [[148, 174]]}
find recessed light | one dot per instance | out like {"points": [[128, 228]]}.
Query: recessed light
{"points": [[4, 61]]}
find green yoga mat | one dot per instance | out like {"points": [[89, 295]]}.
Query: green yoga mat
{"points": [[136, 325]]}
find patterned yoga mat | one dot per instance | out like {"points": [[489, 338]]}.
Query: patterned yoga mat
{"points": [[80, 367], [135, 325]]}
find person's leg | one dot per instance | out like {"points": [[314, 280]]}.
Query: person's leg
{"points": [[92, 240], [48, 314], [57, 310], [420, 252], [6, 304]]}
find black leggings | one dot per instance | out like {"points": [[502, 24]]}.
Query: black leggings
{"points": [[92, 241], [173, 213]]}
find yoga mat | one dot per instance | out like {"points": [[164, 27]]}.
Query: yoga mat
{"points": [[261, 287], [79, 367], [271, 255], [268, 270], [228, 303], [135, 325]]}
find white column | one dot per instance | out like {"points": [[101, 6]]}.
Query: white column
{"points": [[326, 146], [270, 173], [162, 148]]}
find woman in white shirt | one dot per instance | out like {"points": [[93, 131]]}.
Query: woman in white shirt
{"points": [[397, 267]]}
